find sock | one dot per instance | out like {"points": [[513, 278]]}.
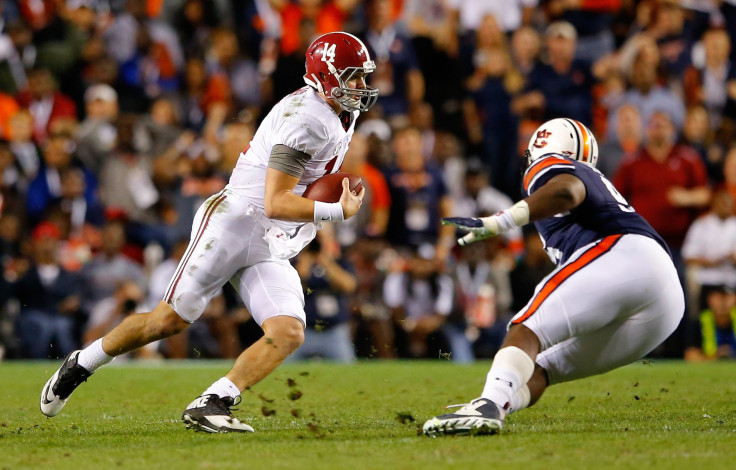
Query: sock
{"points": [[501, 385], [511, 369], [520, 399], [223, 388], [93, 357]]}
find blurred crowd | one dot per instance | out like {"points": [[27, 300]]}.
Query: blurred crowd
{"points": [[119, 117]]}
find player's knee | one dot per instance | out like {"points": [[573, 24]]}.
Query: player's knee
{"points": [[524, 338], [292, 336], [286, 331], [172, 324], [166, 322]]}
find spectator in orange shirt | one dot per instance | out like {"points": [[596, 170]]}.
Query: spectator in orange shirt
{"points": [[328, 14], [8, 107], [372, 222]]}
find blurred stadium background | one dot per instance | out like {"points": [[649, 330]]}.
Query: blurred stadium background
{"points": [[119, 117]]}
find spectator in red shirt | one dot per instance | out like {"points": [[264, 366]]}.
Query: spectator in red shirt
{"points": [[665, 182], [45, 102], [38, 14]]}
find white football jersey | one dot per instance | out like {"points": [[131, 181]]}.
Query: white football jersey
{"points": [[302, 121]]}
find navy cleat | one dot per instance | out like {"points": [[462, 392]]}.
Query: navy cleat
{"points": [[479, 417]]}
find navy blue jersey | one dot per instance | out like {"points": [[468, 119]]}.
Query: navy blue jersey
{"points": [[603, 212]]}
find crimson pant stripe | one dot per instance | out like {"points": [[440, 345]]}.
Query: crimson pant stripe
{"points": [[202, 226]]}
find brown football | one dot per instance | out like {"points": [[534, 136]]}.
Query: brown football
{"points": [[329, 187]]}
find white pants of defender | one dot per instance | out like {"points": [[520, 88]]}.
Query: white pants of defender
{"points": [[607, 312], [228, 245]]}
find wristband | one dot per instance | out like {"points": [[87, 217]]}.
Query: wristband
{"points": [[328, 212], [515, 216]]}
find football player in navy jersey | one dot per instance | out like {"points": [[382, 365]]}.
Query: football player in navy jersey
{"points": [[613, 297]]}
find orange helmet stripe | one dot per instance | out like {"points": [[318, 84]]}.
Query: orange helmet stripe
{"points": [[586, 140]]}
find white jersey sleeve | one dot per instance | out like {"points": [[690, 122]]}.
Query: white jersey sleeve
{"points": [[304, 132], [304, 122]]}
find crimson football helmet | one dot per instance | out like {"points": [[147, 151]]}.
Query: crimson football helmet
{"points": [[566, 137], [333, 59]]}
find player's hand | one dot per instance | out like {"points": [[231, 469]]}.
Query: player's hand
{"points": [[478, 228], [350, 201]]}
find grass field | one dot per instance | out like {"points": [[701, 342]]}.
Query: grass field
{"points": [[667, 415]]}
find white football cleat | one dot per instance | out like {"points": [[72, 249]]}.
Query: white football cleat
{"points": [[64, 381], [210, 413], [479, 417]]}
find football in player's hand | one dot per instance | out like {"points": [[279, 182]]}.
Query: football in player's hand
{"points": [[329, 187]]}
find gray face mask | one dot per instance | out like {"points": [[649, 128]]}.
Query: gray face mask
{"points": [[354, 99]]}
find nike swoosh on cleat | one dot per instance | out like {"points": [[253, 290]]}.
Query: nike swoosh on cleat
{"points": [[45, 400]]}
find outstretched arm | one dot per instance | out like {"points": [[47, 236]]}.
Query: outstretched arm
{"points": [[560, 194]]}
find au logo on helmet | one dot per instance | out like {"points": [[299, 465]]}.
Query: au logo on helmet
{"points": [[541, 139]]}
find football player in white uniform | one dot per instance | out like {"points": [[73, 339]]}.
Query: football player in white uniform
{"points": [[612, 299], [246, 234]]}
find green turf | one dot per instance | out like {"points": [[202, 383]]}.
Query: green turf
{"points": [[649, 415]]}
